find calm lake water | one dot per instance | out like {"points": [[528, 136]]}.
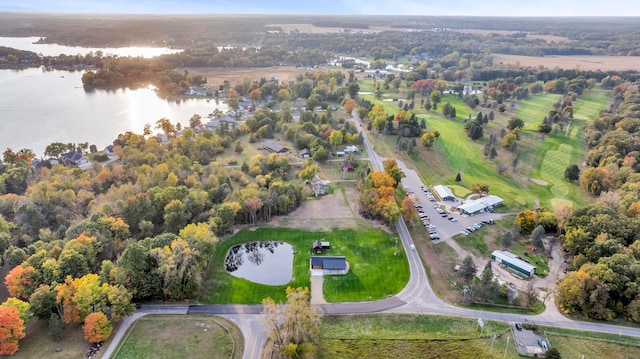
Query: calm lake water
{"points": [[27, 44], [266, 262], [38, 108]]}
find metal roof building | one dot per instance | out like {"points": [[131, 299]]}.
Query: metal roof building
{"points": [[514, 263], [479, 205], [444, 193]]}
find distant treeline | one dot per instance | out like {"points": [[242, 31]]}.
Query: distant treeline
{"points": [[585, 36]]}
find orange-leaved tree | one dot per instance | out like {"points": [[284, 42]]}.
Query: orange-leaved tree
{"points": [[97, 327], [11, 330], [22, 281], [22, 307]]}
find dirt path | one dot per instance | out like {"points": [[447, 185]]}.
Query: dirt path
{"points": [[317, 294], [337, 210]]}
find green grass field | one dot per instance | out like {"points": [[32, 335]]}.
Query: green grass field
{"points": [[378, 265], [543, 157], [575, 344], [39, 344], [182, 336], [534, 109], [410, 336], [423, 336]]}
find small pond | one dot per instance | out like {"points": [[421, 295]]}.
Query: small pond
{"points": [[264, 262]]}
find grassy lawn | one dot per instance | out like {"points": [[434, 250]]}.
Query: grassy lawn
{"points": [[39, 344], [574, 344], [426, 336], [183, 336], [332, 170], [589, 105], [410, 336], [539, 260], [378, 266], [534, 109]]}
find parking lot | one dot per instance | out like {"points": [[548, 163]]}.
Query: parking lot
{"points": [[439, 218]]}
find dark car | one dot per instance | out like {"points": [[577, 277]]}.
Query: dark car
{"points": [[518, 326]]}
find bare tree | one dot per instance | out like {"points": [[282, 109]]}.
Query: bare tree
{"points": [[294, 326], [531, 293]]}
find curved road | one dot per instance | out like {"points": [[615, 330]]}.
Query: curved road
{"points": [[416, 297]]}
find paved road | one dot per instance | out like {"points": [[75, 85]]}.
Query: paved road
{"points": [[416, 297]]}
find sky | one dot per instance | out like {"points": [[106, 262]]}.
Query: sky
{"points": [[341, 7]]}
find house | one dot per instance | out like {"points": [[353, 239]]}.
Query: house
{"points": [[73, 158], [319, 246], [444, 193], [479, 205], [274, 147], [514, 263], [108, 150], [305, 153], [319, 186], [351, 149], [330, 265]]}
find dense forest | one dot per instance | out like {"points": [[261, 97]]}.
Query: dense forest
{"points": [[604, 237]]}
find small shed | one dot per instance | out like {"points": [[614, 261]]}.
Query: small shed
{"points": [[319, 246], [514, 263]]}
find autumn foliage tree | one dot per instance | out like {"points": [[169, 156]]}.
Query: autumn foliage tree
{"points": [[21, 282], [293, 327], [97, 327], [527, 221], [22, 307], [11, 330]]}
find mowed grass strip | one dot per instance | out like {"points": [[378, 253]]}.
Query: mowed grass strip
{"points": [[377, 268], [182, 336], [590, 104], [405, 326], [535, 108]]}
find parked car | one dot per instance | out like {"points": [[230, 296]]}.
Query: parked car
{"points": [[519, 326]]}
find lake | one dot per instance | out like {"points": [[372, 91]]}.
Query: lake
{"points": [[27, 44], [40, 107], [264, 262]]}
